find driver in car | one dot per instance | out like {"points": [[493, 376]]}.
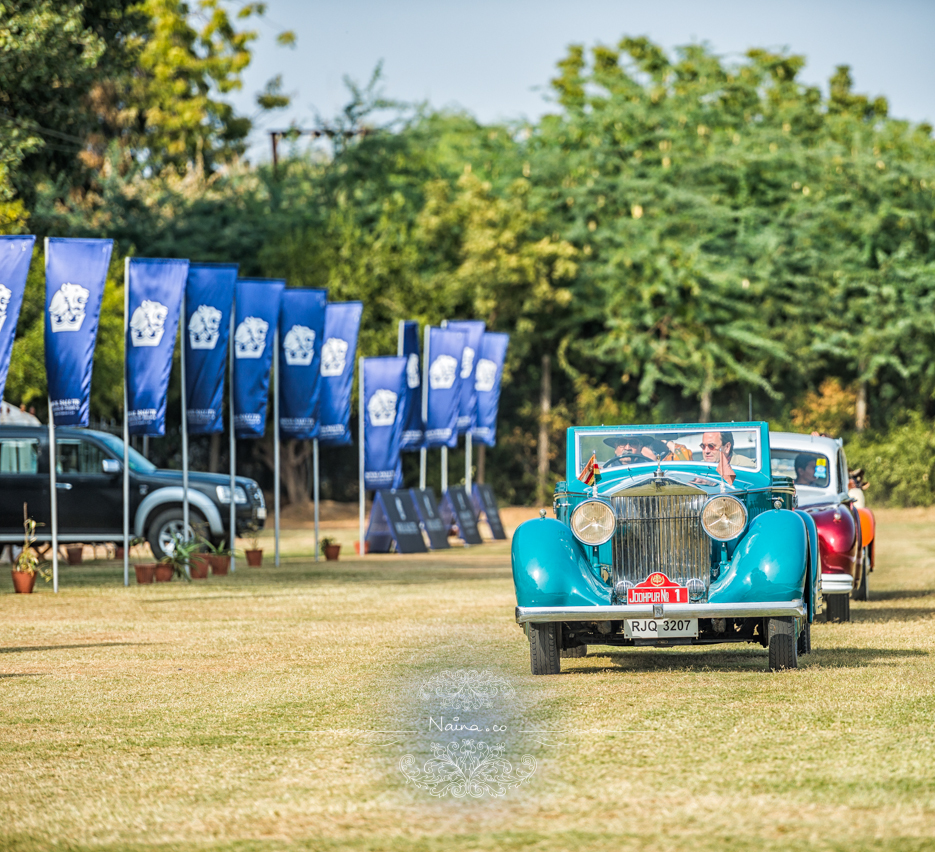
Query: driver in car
{"points": [[628, 449]]}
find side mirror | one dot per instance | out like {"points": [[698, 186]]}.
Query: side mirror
{"points": [[111, 466]]}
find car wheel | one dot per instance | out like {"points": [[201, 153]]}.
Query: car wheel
{"points": [[783, 648], [838, 608], [544, 652], [862, 592], [169, 523], [805, 639]]}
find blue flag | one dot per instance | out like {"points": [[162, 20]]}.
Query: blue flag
{"points": [[15, 255], [473, 331], [256, 314], [487, 378], [75, 272], [445, 350], [302, 325], [338, 354], [382, 394], [156, 287], [413, 427], [209, 300]]}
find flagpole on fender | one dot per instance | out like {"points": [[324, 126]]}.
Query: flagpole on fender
{"points": [[53, 458], [276, 461], [232, 443], [126, 427], [315, 478], [185, 505], [360, 452], [423, 452]]}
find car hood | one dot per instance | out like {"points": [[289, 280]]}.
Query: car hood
{"points": [[173, 477]]}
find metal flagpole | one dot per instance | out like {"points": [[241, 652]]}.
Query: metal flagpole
{"points": [[185, 505], [468, 447], [423, 453], [233, 443], [445, 447], [276, 460], [126, 428], [315, 477], [53, 459], [360, 453]]}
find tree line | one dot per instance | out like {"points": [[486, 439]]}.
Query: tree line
{"points": [[678, 238]]}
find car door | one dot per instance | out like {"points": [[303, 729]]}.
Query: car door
{"points": [[89, 500], [21, 482]]}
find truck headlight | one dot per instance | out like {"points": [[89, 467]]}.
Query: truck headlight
{"points": [[224, 495], [593, 522], [723, 518]]}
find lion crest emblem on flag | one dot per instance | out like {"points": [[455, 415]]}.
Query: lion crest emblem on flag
{"points": [[299, 346], [382, 408], [486, 375], [148, 323], [467, 362], [333, 356], [412, 371], [204, 327], [250, 338], [442, 372], [68, 306], [5, 295]]}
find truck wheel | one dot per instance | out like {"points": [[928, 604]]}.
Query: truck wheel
{"points": [[805, 639], [838, 607], [543, 649], [862, 592], [169, 523], [782, 644]]}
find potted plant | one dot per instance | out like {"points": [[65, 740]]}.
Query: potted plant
{"points": [[75, 553], [218, 555], [134, 542], [330, 548], [27, 564], [176, 562], [254, 553]]}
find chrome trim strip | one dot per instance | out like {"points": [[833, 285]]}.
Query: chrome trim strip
{"points": [[766, 609], [837, 584]]}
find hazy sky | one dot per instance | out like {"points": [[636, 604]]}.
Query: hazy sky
{"points": [[495, 59]]}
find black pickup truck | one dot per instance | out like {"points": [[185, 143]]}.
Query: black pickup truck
{"points": [[89, 484]]}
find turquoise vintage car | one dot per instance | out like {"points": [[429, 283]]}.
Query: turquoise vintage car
{"points": [[668, 535]]}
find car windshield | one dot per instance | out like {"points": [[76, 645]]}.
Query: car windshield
{"points": [[619, 448], [138, 462], [813, 470]]}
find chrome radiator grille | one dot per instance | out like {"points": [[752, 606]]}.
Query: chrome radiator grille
{"points": [[661, 533]]}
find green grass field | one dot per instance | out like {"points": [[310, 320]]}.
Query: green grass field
{"points": [[270, 710]]}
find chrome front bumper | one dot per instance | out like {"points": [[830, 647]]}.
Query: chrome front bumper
{"points": [[837, 584], [766, 609]]}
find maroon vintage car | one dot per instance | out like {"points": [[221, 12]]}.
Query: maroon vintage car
{"points": [[818, 467]]}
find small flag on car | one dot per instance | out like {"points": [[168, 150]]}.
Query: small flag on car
{"points": [[591, 472], [725, 471]]}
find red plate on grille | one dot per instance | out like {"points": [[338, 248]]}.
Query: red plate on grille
{"points": [[657, 588]]}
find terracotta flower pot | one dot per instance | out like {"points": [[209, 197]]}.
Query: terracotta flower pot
{"points": [[118, 553], [23, 582], [198, 565], [221, 564], [332, 551], [75, 555], [163, 573], [357, 547], [254, 558], [144, 572]]}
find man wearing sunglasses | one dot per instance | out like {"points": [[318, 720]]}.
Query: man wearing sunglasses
{"points": [[712, 443]]}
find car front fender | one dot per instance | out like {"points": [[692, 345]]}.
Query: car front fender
{"points": [[768, 564], [551, 567], [173, 496], [814, 563]]}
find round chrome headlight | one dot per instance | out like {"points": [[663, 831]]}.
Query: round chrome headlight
{"points": [[593, 522], [723, 518]]}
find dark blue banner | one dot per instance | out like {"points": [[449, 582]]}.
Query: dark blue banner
{"points": [[15, 255], [256, 315], [338, 356], [209, 300], [487, 378], [413, 427], [382, 395], [302, 328], [445, 350], [75, 272], [156, 287], [473, 331]]}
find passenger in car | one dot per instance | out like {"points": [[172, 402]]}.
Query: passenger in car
{"points": [[805, 470]]}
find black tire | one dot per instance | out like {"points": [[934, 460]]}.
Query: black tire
{"points": [[862, 592], [575, 653], [838, 608], [165, 523], [544, 650], [783, 648], [805, 639]]}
